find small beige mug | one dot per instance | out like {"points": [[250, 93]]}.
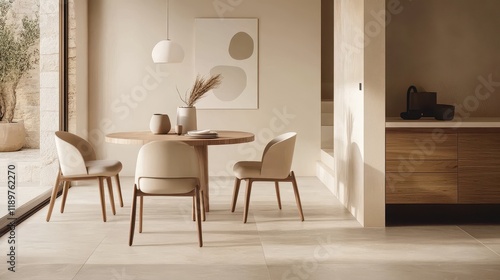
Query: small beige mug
{"points": [[178, 129]]}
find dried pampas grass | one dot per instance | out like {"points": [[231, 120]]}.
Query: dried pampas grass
{"points": [[201, 86]]}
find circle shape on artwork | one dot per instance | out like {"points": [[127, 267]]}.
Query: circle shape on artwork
{"points": [[241, 46], [233, 84]]}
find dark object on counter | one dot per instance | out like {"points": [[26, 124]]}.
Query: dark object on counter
{"points": [[444, 112], [419, 104], [411, 115]]}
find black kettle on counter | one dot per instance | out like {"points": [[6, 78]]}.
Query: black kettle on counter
{"points": [[423, 104], [419, 104]]}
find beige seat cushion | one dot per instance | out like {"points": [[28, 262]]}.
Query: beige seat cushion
{"points": [[103, 167], [166, 186], [247, 169]]}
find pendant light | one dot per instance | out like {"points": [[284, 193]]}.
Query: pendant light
{"points": [[167, 51]]}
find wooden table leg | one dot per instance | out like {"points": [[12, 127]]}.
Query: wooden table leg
{"points": [[202, 152]]}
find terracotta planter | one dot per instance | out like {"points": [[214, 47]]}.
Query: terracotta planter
{"points": [[186, 116], [12, 136]]}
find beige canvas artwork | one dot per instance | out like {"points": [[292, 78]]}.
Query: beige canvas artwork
{"points": [[228, 47]]}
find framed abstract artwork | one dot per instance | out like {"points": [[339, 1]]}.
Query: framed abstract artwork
{"points": [[228, 47]]}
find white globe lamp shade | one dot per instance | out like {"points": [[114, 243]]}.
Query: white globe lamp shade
{"points": [[167, 51]]}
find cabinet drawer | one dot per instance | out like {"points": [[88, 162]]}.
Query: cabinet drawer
{"points": [[421, 144], [479, 185], [403, 166], [421, 188], [479, 149]]}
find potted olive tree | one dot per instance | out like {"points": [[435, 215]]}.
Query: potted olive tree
{"points": [[18, 55]]}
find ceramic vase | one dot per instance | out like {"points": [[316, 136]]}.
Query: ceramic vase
{"points": [[186, 116], [160, 124]]}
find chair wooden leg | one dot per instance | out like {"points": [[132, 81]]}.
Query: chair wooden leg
{"points": [[118, 186], [203, 215], [247, 200], [101, 193], [132, 217], [54, 196], [198, 216], [193, 210], [235, 193], [111, 196], [202, 202], [64, 195], [297, 196], [141, 212], [277, 187]]}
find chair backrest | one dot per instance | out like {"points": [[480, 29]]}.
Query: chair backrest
{"points": [[81, 144], [278, 155], [71, 160], [166, 159]]}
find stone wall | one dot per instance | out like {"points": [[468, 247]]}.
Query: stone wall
{"points": [[49, 89], [28, 89], [72, 125], [49, 85]]}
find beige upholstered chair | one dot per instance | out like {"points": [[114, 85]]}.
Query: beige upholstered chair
{"points": [[166, 168], [77, 161], [275, 166]]}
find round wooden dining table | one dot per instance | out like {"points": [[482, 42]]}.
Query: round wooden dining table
{"points": [[200, 145]]}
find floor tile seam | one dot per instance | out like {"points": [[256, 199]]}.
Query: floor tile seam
{"points": [[486, 245], [78, 271], [479, 241], [437, 264], [314, 258], [262, 247], [88, 258]]}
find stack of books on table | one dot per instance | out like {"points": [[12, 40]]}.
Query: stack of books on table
{"points": [[207, 133]]}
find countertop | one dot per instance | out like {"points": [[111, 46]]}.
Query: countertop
{"points": [[396, 122]]}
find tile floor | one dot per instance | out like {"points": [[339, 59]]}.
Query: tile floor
{"points": [[274, 244], [28, 176]]}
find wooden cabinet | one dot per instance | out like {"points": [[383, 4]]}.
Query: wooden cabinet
{"points": [[479, 166], [443, 166], [421, 166], [423, 188], [478, 185], [442, 175], [421, 144]]}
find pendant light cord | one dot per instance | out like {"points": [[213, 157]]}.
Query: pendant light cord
{"points": [[168, 18]]}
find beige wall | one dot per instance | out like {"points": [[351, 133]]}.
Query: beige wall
{"points": [[374, 114], [359, 123], [348, 105], [122, 34], [445, 46], [81, 114], [326, 49]]}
